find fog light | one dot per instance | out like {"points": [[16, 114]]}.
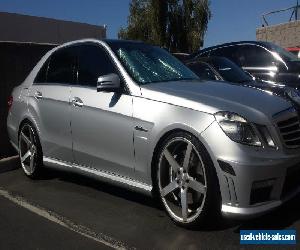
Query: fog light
{"points": [[261, 191]]}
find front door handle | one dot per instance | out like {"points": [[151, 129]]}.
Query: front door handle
{"points": [[140, 128], [38, 95], [77, 102]]}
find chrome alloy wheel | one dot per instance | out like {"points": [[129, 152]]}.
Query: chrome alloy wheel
{"points": [[27, 149], [182, 180]]}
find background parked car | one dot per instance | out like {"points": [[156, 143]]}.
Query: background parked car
{"points": [[222, 69], [264, 60]]}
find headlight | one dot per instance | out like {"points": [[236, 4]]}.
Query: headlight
{"points": [[237, 128]]}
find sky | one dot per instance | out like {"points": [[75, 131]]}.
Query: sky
{"points": [[232, 20]]}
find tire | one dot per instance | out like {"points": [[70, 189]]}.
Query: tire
{"points": [[30, 150], [185, 180]]}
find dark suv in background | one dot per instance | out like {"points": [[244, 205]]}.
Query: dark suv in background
{"points": [[264, 60], [222, 69]]}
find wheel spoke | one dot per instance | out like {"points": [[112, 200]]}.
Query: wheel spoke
{"points": [[187, 156], [169, 188], [31, 163], [25, 138], [33, 150], [31, 135], [173, 163], [184, 208], [197, 186], [25, 156]]}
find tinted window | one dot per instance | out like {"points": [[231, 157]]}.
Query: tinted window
{"points": [[41, 77], [61, 66], [246, 55], [203, 71], [229, 52], [229, 70], [93, 62], [254, 56]]}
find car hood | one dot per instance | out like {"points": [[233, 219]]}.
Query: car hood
{"points": [[212, 96], [286, 92]]}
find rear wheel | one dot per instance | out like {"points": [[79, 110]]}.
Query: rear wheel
{"points": [[186, 180], [30, 151]]}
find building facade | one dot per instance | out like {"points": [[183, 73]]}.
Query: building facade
{"points": [[285, 34]]}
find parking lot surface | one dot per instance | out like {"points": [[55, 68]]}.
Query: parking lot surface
{"points": [[118, 218]]}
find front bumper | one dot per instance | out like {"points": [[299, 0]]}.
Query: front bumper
{"points": [[254, 180], [245, 200]]}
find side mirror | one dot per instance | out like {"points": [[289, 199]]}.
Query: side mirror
{"points": [[110, 82]]}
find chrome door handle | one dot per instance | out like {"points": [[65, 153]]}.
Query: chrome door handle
{"points": [[140, 128], [77, 102], [38, 95]]}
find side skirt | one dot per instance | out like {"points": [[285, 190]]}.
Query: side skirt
{"points": [[101, 175]]}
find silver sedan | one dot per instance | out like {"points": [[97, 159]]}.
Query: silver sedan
{"points": [[132, 114]]}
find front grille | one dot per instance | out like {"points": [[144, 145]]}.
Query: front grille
{"points": [[292, 180], [290, 130]]}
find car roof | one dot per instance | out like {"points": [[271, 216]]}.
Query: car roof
{"points": [[117, 41], [260, 43], [93, 40]]}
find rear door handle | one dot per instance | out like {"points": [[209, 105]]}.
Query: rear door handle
{"points": [[77, 102], [38, 95]]}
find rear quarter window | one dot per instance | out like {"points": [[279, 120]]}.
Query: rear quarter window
{"points": [[41, 77]]}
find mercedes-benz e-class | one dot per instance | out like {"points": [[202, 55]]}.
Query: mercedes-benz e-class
{"points": [[132, 114]]}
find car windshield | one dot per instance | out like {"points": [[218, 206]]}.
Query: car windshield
{"points": [[148, 64], [229, 70], [286, 55]]}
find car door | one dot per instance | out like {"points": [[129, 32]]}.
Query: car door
{"points": [[49, 99], [102, 124]]}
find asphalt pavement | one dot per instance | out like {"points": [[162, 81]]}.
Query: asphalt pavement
{"points": [[105, 216]]}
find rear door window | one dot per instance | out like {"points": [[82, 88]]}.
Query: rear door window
{"points": [[62, 66], [41, 77]]}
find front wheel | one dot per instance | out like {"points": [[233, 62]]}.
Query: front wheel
{"points": [[30, 150], [186, 180]]}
